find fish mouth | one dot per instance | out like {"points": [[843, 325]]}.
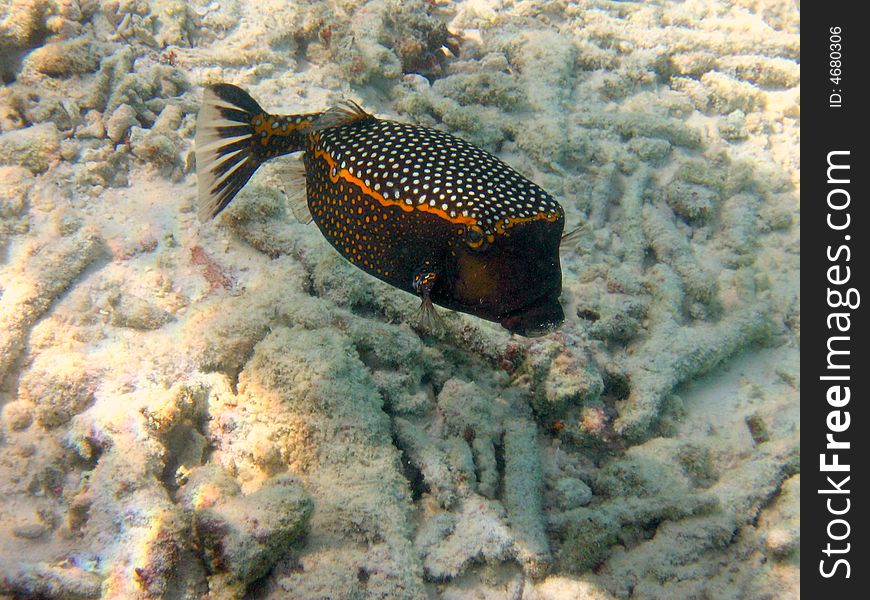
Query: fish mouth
{"points": [[537, 318]]}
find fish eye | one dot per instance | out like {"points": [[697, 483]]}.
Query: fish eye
{"points": [[475, 237]]}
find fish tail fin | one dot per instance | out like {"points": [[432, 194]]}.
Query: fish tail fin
{"points": [[225, 151], [234, 136]]}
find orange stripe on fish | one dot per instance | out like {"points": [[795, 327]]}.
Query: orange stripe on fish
{"points": [[345, 175]]}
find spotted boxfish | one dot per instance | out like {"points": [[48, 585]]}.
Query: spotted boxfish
{"points": [[418, 208]]}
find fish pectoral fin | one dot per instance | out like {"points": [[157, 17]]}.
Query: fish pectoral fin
{"points": [[428, 316], [424, 281]]}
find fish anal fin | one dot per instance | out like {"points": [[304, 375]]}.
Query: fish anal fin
{"points": [[288, 177], [423, 284], [297, 197]]}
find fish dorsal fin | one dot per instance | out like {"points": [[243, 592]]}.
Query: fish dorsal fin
{"points": [[344, 112], [297, 197]]}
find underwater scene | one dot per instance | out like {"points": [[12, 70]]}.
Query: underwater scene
{"points": [[358, 299]]}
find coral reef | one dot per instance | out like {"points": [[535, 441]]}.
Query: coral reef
{"points": [[44, 273], [230, 410], [240, 538]]}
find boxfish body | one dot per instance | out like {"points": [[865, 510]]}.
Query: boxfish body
{"points": [[418, 208]]}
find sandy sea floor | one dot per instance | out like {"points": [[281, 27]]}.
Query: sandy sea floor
{"points": [[231, 410]]}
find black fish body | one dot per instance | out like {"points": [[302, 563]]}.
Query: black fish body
{"points": [[423, 210]]}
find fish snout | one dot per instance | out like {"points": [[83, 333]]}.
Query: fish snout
{"points": [[536, 319]]}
